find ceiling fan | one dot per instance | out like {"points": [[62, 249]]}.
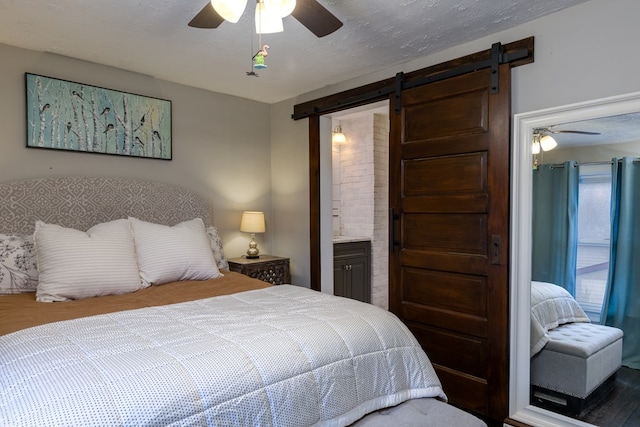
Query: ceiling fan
{"points": [[543, 141], [554, 131], [309, 13]]}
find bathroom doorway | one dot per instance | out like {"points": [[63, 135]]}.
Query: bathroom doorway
{"points": [[360, 189]]}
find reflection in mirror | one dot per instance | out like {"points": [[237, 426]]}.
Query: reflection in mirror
{"points": [[575, 279], [576, 351]]}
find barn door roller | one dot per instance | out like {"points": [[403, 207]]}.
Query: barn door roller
{"points": [[497, 57], [496, 60]]}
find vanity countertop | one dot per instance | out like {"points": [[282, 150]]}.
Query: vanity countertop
{"points": [[349, 239]]}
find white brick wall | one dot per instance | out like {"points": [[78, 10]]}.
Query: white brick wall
{"points": [[380, 243], [356, 178], [335, 190]]}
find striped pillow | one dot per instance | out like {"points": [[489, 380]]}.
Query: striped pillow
{"points": [[168, 254], [73, 264]]}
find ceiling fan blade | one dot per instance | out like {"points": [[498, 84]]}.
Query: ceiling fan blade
{"points": [[206, 18], [315, 17], [582, 132]]}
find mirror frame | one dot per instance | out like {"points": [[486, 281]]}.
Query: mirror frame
{"points": [[520, 276]]}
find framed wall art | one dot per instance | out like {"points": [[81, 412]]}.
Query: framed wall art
{"points": [[64, 115]]}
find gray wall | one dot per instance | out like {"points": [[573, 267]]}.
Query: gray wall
{"points": [[214, 151]]}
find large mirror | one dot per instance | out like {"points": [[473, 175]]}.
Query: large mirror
{"points": [[588, 136]]}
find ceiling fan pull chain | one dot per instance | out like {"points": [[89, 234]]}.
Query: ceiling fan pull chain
{"points": [[251, 71]]}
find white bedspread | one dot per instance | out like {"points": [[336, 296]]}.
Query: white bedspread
{"points": [[281, 356]]}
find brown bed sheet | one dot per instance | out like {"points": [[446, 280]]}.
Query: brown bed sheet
{"points": [[22, 311]]}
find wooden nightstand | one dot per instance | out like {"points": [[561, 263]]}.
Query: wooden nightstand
{"points": [[268, 268]]}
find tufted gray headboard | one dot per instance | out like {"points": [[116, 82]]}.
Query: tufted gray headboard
{"points": [[81, 202]]}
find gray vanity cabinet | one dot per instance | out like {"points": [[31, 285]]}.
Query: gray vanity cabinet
{"points": [[352, 270]]}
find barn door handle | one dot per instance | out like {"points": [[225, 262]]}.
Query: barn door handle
{"points": [[393, 217], [496, 249]]}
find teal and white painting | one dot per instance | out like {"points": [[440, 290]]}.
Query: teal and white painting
{"points": [[65, 115]]}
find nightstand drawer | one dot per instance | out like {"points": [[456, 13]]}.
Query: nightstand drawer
{"points": [[268, 268]]}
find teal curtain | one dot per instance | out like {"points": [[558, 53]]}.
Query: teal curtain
{"points": [[621, 306], [555, 225]]}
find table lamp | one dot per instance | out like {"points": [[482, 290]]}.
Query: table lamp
{"points": [[252, 222]]}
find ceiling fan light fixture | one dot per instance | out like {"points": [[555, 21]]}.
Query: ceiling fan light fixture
{"points": [[230, 10], [535, 147], [283, 7], [547, 143], [268, 20]]}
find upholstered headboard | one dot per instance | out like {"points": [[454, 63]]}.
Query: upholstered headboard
{"points": [[81, 202]]}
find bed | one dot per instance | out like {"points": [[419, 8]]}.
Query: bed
{"points": [[89, 338], [573, 361]]}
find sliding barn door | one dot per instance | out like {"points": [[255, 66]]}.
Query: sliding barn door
{"points": [[449, 189]]}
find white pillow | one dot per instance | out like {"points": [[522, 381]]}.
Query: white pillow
{"points": [[168, 254], [73, 264]]}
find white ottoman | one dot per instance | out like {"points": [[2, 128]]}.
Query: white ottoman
{"points": [[577, 359]]}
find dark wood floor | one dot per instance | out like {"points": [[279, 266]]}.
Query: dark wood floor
{"points": [[621, 406], [618, 405]]}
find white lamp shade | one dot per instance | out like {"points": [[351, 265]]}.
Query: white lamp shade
{"points": [[267, 19], [230, 10], [252, 222], [283, 7], [547, 143], [535, 147], [338, 138]]}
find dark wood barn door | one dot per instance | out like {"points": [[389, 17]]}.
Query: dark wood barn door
{"points": [[449, 194]]}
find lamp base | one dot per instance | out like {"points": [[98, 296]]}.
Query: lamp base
{"points": [[253, 251]]}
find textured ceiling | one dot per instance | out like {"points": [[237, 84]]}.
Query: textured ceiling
{"points": [[152, 37], [620, 129]]}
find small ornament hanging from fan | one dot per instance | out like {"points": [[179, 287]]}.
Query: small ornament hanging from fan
{"points": [[258, 58]]}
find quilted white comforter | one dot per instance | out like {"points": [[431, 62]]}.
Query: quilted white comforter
{"points": [[551, 306], [282, 356]]}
